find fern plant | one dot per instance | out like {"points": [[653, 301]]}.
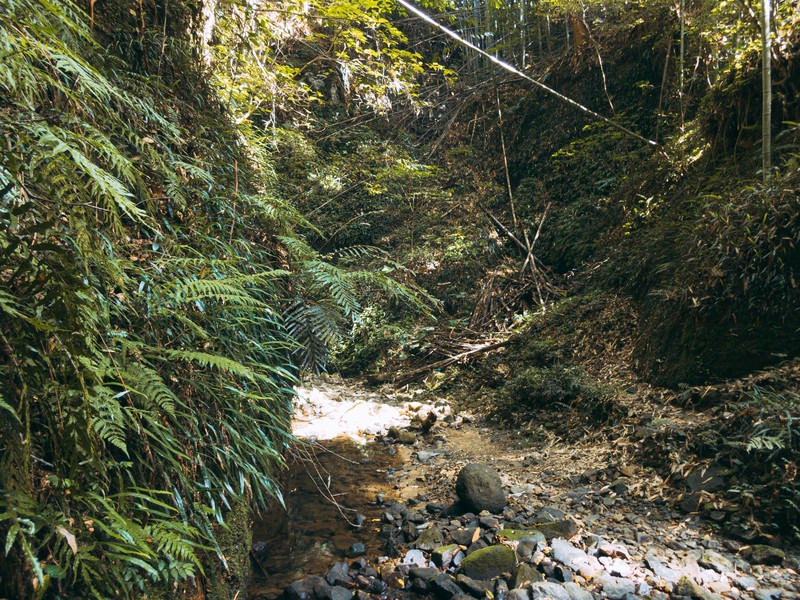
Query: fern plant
{"points": [[155, 303], [146, 369]]}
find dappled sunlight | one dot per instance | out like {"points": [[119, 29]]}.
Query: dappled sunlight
{"points": [[325, 412]]}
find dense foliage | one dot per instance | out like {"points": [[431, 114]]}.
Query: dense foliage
{"points": [[145, 366], [191, 200], [156, 302]]}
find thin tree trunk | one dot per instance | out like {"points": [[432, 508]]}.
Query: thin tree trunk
{"points": [[766, 91], [682, 59]]}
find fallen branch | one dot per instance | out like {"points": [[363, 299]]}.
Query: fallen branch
{"points": [[446, 362]]}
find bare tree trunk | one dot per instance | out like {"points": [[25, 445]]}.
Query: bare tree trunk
{"points": [[766, 91]]}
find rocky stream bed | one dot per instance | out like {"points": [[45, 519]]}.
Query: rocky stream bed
{"points": [[380, 505]]}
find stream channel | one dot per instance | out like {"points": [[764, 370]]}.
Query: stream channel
{"points": [[605, 527], [333, 484]]}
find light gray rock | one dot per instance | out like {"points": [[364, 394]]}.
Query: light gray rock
{"points": [[575, 558], [616, 588], [576, 592], [662, 570], [416, 558], [616, 567], [548, 590], [747, 583]]}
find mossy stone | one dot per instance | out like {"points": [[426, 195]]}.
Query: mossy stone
{"points": [[489, 562]]}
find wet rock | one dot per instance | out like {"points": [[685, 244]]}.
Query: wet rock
{"points": [[356, 549], [477, 545], [479, 487], [444, 586], [616, 588], [394, 578], [338, 574], [434, 509], [443, 556], [575, 558], [563, 573], [526, 547], [260, 549], [376, 586], [548, 590], [474, 587], [310, 588], [760, 554], [619, 487], [488, 522], [500, 589], [429, 538], [524, 575], [422, 576], [489, 562], [338, 592], [465, 537]]}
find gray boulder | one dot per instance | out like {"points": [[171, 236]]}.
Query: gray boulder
{"points": [[479, 488]]}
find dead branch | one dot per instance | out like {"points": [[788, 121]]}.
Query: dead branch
{"points": [[415, 374]]}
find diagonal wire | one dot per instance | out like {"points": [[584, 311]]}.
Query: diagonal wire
{"points": [[512, 69]]}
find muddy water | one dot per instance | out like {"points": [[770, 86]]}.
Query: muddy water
{"points": [[329, 484]]}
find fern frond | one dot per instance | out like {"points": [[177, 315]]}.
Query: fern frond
{"points": [[315, 327], [4, 405], [334, 282], [149, 389], [108, 419], [209, 361]]}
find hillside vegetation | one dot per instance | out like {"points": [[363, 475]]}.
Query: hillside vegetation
{"points": [[198, 203]]}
